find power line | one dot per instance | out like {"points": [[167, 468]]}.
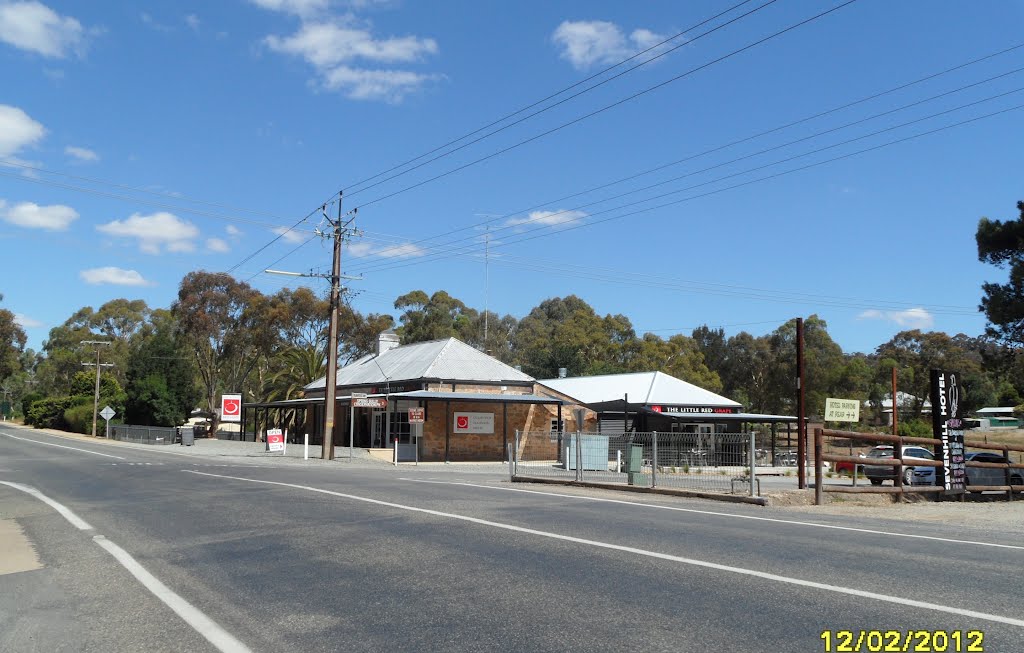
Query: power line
{"points": [[735, 186], [740, 141], [567, 212], [578, 94], [606, 107]]}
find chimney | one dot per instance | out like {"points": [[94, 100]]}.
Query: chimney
{"points": [[562, 372], [387, 341]]}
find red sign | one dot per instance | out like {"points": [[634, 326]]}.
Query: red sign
{"points": [[656, 409], [416, 415], [379, 403], [231, 408], [275, 440], [462, 422]]}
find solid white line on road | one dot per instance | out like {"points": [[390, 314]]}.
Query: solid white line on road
{"points": [[50, 444], [722, 514], [220, 638], [650, 554], [208, 628], [75, 520]]}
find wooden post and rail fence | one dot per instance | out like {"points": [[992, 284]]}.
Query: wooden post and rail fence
{"points": [[898, 442]]}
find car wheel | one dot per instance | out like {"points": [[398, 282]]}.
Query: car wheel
{"points": [[875, 481], [908, 477]]}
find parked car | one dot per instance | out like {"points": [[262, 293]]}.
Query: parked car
{"points": [[847, 468], [989, 475], [878, 473]]}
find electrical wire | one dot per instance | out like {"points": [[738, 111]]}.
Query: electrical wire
{"points": [[604, 108]]}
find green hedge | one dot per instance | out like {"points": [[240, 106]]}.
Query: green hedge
{"points": [[79, 418]]}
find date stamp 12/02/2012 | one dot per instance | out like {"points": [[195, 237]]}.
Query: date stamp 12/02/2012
{"points": [[903, 641]]}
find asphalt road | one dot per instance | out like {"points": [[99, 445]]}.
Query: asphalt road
{"points": [[328, 557]]}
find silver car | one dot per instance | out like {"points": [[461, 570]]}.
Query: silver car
{"points": [[877, 473]]}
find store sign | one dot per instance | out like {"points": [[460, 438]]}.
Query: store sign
{"points": [[379, 403], [474, 423], [275, 440], [686, 410], [417, 415], [948, 428], [231, 408], [842, 410]]}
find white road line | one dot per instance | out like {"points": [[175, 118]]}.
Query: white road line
{"points": [[50, 444], [75, 520], [221, 639], [650, 554], [724, 514], [208, 628]]}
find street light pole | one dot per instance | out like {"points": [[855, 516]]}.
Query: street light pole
{"points": [[96, 395]]}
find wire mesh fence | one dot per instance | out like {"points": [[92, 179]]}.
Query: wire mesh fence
{"points": [[158, 435], [716, 462]]}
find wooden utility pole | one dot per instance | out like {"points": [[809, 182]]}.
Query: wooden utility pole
{"points": [[895, 419], [801, 427], [96, 394]]}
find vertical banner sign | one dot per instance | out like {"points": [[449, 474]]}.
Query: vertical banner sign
{"points": [[275, 440], [231, 408], [948, 428]]}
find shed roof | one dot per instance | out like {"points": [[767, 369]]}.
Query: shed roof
{"points": [[644, 388], [448, 359], [991, 410]]}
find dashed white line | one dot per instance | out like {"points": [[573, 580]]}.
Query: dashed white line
{"points": [[644, 552], [51, 444], [221, 639], [723, 514]]}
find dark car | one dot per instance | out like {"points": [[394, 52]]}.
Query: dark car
{"points": [[990, 475], [878, 473]]}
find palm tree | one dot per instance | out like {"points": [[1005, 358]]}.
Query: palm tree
{"points": [[299, 366]]}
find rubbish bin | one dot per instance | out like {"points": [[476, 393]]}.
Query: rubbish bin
{"points": [[188, 436]]}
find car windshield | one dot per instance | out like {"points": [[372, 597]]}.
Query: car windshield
{"points": [[880, 453]]}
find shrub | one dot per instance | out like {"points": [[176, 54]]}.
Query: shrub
{"points": [[79, 418], [49, 413]]}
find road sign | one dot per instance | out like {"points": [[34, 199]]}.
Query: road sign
{"points": [[416, 415], [369, 402], [231, 408], [359, 395], [275, 440], [107, 413], [842, 410]]}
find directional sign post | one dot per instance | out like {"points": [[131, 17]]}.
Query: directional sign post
{"points": [[107, 413]]}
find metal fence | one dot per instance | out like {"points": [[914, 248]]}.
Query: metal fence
{"points": [[714, 462], [145, 434]]}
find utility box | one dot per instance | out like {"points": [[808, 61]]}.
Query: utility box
{"points": [[188, 435], [594, 450], [635, 463]]}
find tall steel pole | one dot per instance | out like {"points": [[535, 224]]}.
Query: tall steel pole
{"points": [[801, 427], [331, 381]]}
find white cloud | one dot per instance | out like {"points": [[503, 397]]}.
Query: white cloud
{"points": [[82, 154], [296, 7], [588, 42], [26, 322], [113, 276], [193, 22], [294, 236], [402, 250], [152, 23], [17, 130], [332, 47], [912, 318], [233, 230], [55, 217], [34, 27], [155, 231], [218, 245], [549, 218]]}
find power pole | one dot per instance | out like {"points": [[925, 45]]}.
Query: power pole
{"points": [[96, 395], [341, 230], [801, 427]]}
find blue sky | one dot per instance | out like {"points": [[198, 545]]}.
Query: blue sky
{"points": [[140, 141]]}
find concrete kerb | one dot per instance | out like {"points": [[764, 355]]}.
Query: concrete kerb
{"points": [[692, 494]]}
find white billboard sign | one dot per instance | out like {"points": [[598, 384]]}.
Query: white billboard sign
{"points": [[474, 423], [842, 410]]}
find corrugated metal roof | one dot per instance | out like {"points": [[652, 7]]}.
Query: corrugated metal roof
{"points": [[448, 359], [478, 397], [647, 388], [994, 410]]}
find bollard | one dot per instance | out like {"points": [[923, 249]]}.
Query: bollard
{"points": [[396, 452], [753, 452], [305, 447]]}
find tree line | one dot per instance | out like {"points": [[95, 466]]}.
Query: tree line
{"points": [[222, 335]]}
